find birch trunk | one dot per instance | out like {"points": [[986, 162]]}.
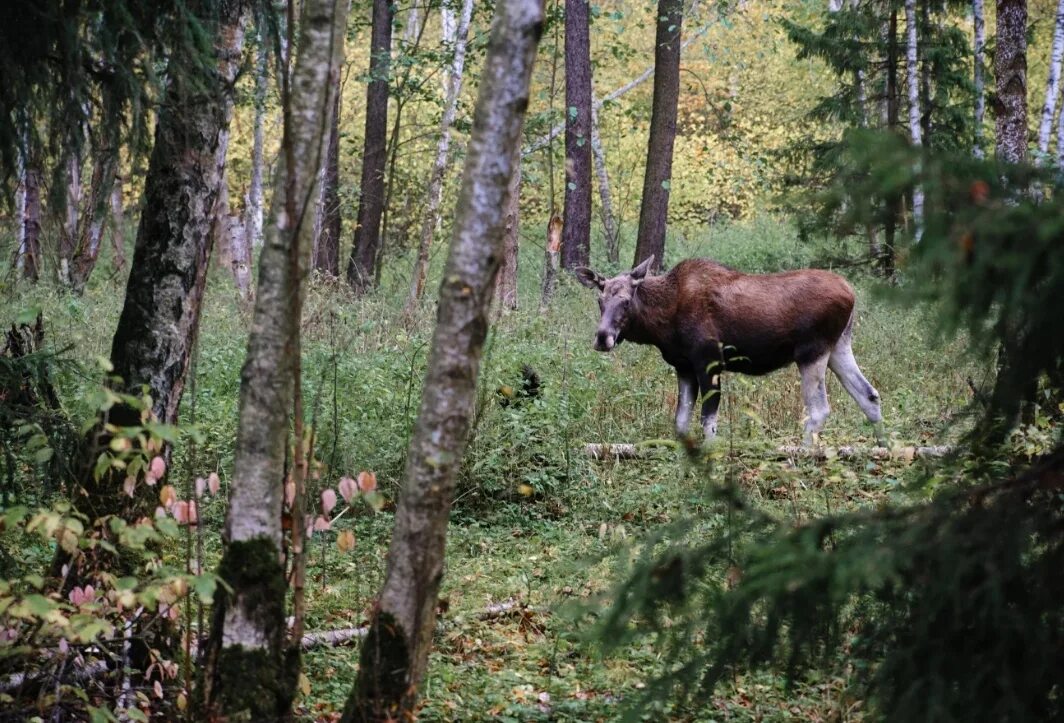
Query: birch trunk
{"points": [[160, 316], [1049, 107], [506, 287], [1010, 75], [979, 51], [576, 216], [654, 210], [68, 223], [431, 220], [915, 129], [891, 204], [118, 226], [253, 222], [609, 221], [395, 654], [360, 268], [31, 223], [251, 675]]}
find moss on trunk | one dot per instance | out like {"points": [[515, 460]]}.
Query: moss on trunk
{"points": [[382, 679], [252, 684]]}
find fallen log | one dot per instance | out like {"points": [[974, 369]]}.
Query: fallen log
{"points": [[642, 450], [648, 449], [907, 454]]}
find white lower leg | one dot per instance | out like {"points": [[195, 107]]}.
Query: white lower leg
{"points": [[853, 381], [815, 396]]}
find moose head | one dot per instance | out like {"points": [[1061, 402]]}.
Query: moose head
{"points": [[616, 301]]}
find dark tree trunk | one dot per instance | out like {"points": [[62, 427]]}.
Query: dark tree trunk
{"points": [[395, 653], [252, 673], [654, 212], [92, 219], [157, 327], [892, 204], [327, 249], [576, 219], [360, 269], [1010, 76], [31, 223]]}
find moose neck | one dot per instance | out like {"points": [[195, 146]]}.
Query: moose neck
{"points": [[654, 305]]}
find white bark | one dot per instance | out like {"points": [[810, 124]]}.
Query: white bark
{"points": [[413, 24], [979, 49], [1052, 84], [253, 222], [266, 379], [395, 655], [448, 33], [915, 132], [609, 221], [431, 220]]}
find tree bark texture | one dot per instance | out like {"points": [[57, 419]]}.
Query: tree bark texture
{"points": [[1010, 75], [30, 252], [610, 230], [1052, 83], [252, 674], [506, 286], [891, 203], [576, 218], [20, 213], [93, 217], [979, 52], [431, 219], [551, 252], [654, 211], [395, 653], [253, 208], [156, 330], [68, 221], [327, 248], [915, 127], [360, 268], [118, 226]]}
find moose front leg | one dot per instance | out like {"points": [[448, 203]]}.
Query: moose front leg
{"points": [[709, 389], [685, 401]]}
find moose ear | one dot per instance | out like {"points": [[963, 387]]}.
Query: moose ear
{"points": [[589, 278], [641, 270]]}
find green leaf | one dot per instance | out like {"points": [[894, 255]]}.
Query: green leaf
{"points": [[28, 315], [205, 585], [573, 112], [571, 186], [42, 455], [666, 184]]}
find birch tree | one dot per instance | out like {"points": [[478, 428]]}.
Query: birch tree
{"points": [[609, 220], [1049, 107], [915, 129], [506, 286], [395, 652], [978, 52], [431, 219], [576, 216], [327, 243], [360, 268], [1010, 75], [253, 207], [252, 673], [654, 210]]}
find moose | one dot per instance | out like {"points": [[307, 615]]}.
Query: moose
{"points": [[706, 318]]}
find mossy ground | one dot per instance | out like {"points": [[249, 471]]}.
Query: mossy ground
{"points": [[556, 549]]}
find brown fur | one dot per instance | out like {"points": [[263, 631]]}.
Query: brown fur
{"points": [[702, 312]]}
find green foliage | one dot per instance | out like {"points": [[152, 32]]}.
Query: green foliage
{"points": [[947, 603]]}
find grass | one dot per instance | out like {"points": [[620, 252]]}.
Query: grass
{"points": [[561, 548]]}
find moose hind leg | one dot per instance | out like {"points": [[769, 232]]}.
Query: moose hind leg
{"points": [[685, 401], [815, 396], [845, 367], [709, 388]]}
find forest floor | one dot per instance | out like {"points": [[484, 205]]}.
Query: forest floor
{"points": [[535, 522]]}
